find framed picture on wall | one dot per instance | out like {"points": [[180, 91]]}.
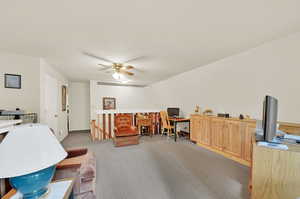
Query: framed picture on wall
{"points": [[64, 98], [12, 81], [109, 103]]}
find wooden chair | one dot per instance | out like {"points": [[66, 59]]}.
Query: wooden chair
{"points": [[166, 123], [124, 132], [144, 121]]}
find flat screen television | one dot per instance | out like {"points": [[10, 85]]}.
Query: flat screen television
{"points": [[269, 122], [173, 112]]}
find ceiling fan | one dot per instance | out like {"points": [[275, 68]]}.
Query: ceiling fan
{"points": [[120, 70]]}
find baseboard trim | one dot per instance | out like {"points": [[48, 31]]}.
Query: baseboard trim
{"points": [[80, 131]]}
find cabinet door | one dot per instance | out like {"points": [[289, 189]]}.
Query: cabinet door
{"points": [[195, 128], [217, 127], [249, 131], [232, 138], [204, 133]]}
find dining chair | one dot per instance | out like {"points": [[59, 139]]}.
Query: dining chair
{"points": [[166, 123]]}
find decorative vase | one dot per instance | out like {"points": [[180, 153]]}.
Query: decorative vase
{"points": [[33, 185]]}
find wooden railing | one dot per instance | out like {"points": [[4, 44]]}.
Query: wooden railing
{"points": [[96, 131], [103, 127]]}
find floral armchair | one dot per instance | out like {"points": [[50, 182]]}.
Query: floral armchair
{"points": [[125, 133]]}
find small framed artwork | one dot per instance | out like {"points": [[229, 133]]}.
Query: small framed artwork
{"points": [[12, 81], [64, 98], [109, 103]]}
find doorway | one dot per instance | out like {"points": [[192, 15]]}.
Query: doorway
{"points": [[51, 103]]}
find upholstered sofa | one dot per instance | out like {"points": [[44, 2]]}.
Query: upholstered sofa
{"points": [[80, 164]]}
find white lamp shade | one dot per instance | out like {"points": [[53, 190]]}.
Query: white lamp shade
{"points": [[27, 149]]}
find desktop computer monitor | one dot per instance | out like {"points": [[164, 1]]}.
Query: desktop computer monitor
{"points": [[173, 112], [269, 122]]}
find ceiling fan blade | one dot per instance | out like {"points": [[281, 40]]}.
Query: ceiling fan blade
{"points": [[109, 71], [128, 67], [138, 70], [104, 68], [134, 59], [126, 72], [103, 65], [97, 57]]}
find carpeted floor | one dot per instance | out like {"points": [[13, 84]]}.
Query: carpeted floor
{"points": [[159, 168]]}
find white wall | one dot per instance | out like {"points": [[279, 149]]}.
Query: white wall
{"points": [[31, 97], [79, 103], [47, 69], [126, 97], [239, 83], [27, 97]]}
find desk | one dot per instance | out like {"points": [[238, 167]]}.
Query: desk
{"points": [[60, 189], [180, 120]]}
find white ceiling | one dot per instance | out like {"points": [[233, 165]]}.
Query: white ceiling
{"points": [[173, 35]]}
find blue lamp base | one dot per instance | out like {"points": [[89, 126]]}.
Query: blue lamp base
{"points": [[33, 185]]}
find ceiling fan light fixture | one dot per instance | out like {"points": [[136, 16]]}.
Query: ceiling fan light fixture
{"points": [[117, 76]]}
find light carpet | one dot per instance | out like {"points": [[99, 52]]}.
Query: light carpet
{"points": [[159, 168]]}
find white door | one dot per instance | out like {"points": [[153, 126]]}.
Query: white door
{"points": [[51, 103]]}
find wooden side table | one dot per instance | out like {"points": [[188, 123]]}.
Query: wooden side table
{"points": [[145, 122], [63, 188]]}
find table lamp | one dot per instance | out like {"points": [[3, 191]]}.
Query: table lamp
{"points": [[28, 156]]}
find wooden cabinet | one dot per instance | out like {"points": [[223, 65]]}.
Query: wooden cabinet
{"points": [[248, 133], [232, 138], [217, 131], [229, 137], [195, 128], [204, 136], [275, 173]]}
